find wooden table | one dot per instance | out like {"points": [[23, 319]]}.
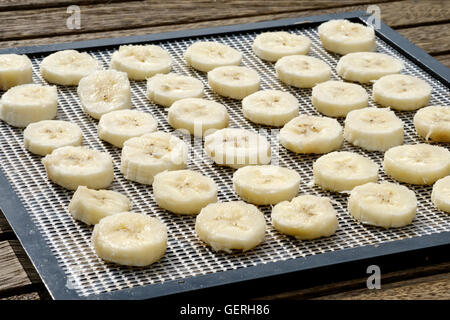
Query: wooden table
{"points": [[33, 22]]}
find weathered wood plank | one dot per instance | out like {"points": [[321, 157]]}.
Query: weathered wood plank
{"points": [[8, 5], [434, 38], [5, 229], [25, 296], [12, 275]]}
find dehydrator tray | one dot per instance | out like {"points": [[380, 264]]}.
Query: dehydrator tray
{"points": [[60, 249]]}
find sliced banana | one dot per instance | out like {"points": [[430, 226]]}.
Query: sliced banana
{"points": [[130, 239], [270, 107], [343, 36], [433, 123], [43, 137], [421, 164], [385, 204], [104, 91], [237, 148], [165, 89], [205, 56], [231, 225], [305, 217], [364, 67], [234, 81], [71, 167], [266, 184], [302, 71], [373, 129], [141, 61], [184, 191], [311, 134], [15, 69], [337, 98], [272, 46], [28, 103], [440, 196], [67, 67], [118, 126], [90, 206], [342, 171], [198, 116], [401, 92], [145, 156]]}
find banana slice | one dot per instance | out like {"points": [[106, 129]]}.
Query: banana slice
{"points": [[266, 184], [205, 56], [71, 167], [342, 171], [104, 91], [237, 148], [373, 129], [311, 134], [28, 103], [302, 71], [231, 225], [43, 137], [337, 98], [90, 206], [433, 123], [270, 107], [198, 116], [14, 70], [141, 61], [342, 36], [233, 81], [385, 204], [364, 67], [306, 217], [272, 46], [67, 67], [118, 126], [165, 89], [145, 156], [184, 191], [417, 163], [440, 195], [130, 239], [401, 92]]}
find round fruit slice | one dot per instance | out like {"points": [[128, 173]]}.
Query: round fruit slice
{"points": [[205, 56], [14, 70], [302, 71], [440, 195], [272, 46], [433, 123], [233, 81]]}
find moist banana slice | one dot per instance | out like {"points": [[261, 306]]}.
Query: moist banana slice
{"points": [[237, 148], [90, 206], [71, 167], [433, 123], [343, 36], [440, 196], [266, 184], [364, 67], [130, 239], [302, 71], [272, 46], [15, 69], [28, 103], [141, 61], [337, 98], [145, 156], [165, 89], [205, 56], [305, 217], [234, 81], [199, 116], [43, 137], [385, 204], [311, 134], [421, 164], [373, 129], [231, 225], [342, 171], [184, 191], [118, 126], [270, 107], [67, 67]]}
